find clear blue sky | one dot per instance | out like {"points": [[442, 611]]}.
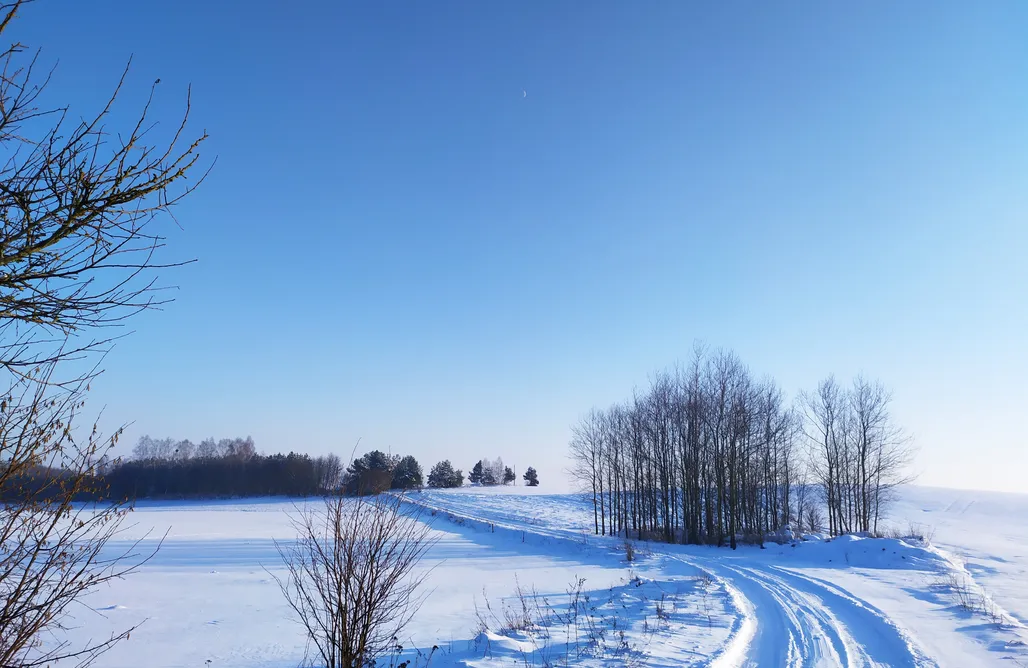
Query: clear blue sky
{"points": [[451, 228]]}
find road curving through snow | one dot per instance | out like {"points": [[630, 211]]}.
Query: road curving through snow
{"points": [[795, 621]]}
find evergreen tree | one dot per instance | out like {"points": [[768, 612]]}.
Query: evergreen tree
{"points": [[508, 475], [443, 475], [407, 474], [531, 477], [476, 474], [374, 460], [370, 473]]}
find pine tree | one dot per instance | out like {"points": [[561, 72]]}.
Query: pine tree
{"points": [[407, 474], [531, 477], [476, 474], [370, 474], [508, 475], [443, 475]]}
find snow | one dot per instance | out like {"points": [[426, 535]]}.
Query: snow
{"points": [[518, 578], [986, 531]]}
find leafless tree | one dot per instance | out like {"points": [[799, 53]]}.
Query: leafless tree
{"points": [[858, 455], [823, 415], [149, 448], [330, 472], [352, 578], [77, 207], [704, 455], [587, 463], [815, 518], [184, 449], [237, 448], [52, 549], [80, 213], [883, 452], [802, 497], [708, 454], [208, 449]]}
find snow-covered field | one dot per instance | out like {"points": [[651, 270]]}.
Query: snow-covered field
{"points": [[209, 594]]}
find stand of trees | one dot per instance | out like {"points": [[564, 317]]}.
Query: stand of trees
{"points": [[709, 454], [225, 475], [376, 472], [166, 468], [491, 472], [859, 456], [231, 467]]}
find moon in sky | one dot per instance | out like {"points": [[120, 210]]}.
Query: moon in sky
{"points": [[524, 93]]}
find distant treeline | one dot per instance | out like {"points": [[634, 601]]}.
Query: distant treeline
{"points": [[227, 476], [169, 468]]}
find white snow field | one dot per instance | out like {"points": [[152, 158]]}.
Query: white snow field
{"points": [[518, 579]]}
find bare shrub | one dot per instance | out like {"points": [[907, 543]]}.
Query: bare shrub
{"points": [[706, 583], [973, 598], [53, 550], [524, 612], [962, 589], [815, 519], [921, 532], [914, 532], [351, 578]]}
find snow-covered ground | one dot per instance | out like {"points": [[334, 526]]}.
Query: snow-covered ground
{"points": [[986, 531], [518, 579]]}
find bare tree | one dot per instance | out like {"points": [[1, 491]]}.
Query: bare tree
{"points": [[329, 471], [883, 452], [587, 463], [859, 456], [208, 449], [705, 455], [823, 412], [184, 450], [52, 549], [79, 240], [352, 578], [77, 204], [709, 455]]}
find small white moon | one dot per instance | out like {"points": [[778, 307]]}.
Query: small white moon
{"points": [[524, 93]]}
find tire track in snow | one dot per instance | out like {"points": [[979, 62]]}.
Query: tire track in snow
{"points": [[792, 620], [779, 627], [784, 618], [815, 637], [870, 627]]}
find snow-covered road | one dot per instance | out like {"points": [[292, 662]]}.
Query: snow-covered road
{"points": [[793, 621]]}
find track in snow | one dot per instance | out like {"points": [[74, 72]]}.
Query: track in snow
{"points": [[785, 618], [794, 620]]}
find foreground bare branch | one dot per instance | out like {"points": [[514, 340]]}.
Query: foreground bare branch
{"points": [[54, 546], [78, 246], [77, 205]]}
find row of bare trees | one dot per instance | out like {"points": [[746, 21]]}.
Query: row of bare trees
{"points": [[148, 448], [710, 454]]}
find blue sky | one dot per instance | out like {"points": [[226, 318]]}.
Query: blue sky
{"points": [[449, 229]]}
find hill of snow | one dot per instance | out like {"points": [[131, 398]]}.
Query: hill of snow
{"points": [[518, 578]]}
